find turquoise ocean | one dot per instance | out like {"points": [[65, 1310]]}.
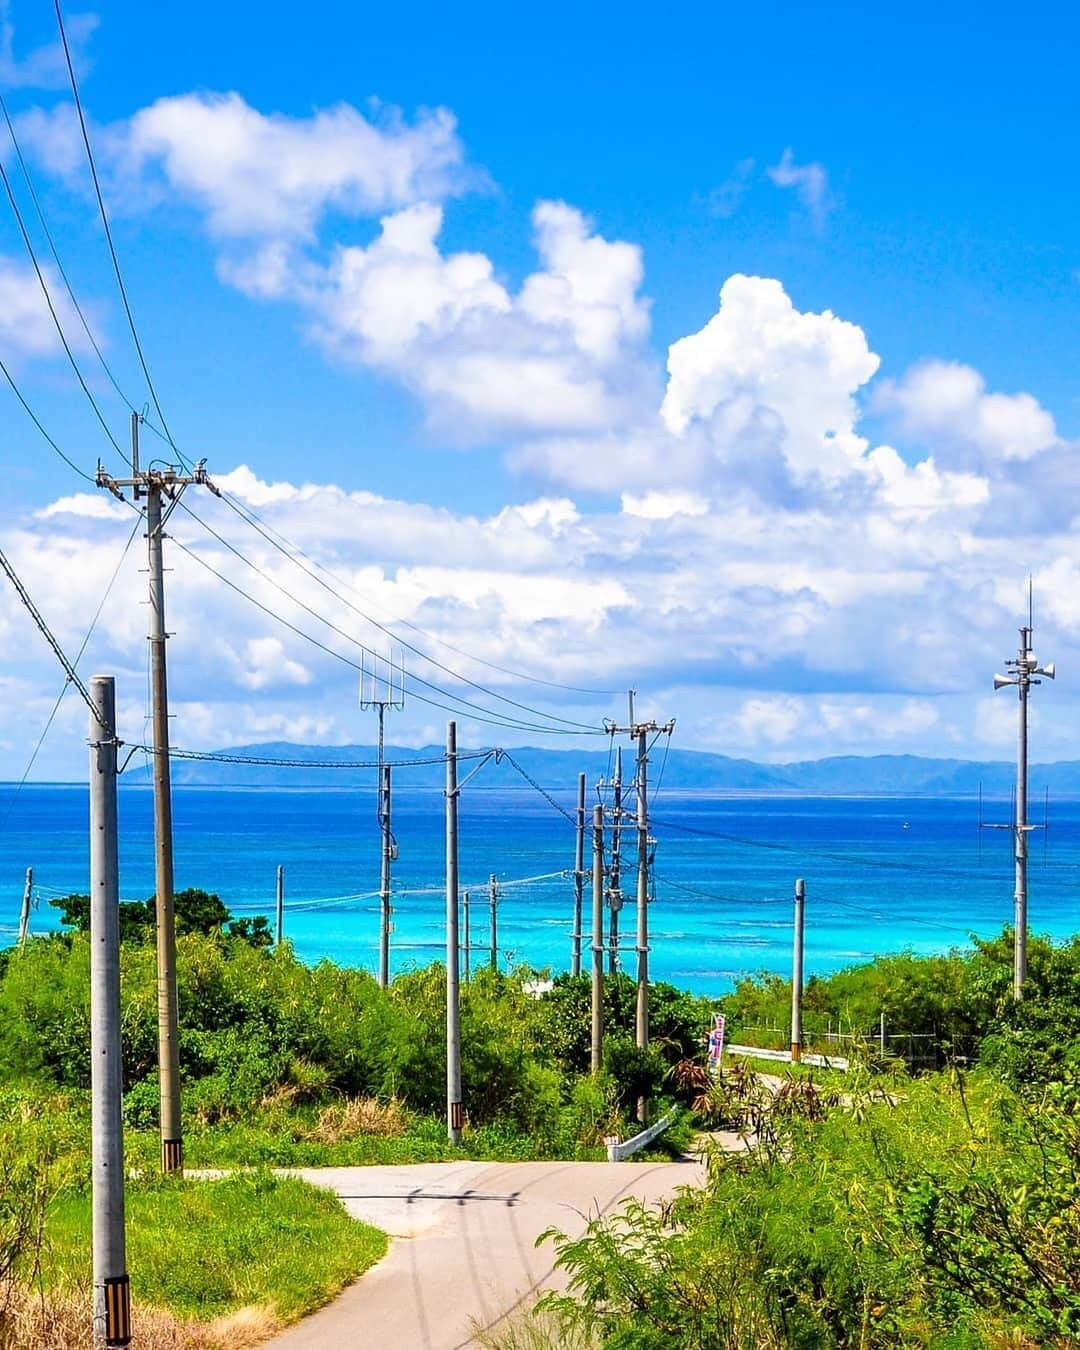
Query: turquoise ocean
{"points": [[882, 874]]}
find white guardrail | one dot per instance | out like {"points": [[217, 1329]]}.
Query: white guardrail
{"points": [[618, 1150], [784, 1057]]}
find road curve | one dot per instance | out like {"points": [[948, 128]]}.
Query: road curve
{"points": [[462, 1252]]}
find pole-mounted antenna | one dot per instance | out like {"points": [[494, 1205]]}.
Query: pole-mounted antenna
{"points": [[1023, 672], [382, 686]]}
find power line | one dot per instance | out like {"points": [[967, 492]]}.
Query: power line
{"points": [[43, 222], [487, 715], [267, 531], [280, 762], [46, 632], [491, 693], [108, 229], [64, 688], [893, 916], [52, 309], [505, 754], [853, 858], [37, 423], [716, 895]]}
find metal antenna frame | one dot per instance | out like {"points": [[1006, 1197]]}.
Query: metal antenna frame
{"points": [[382, 691], [1023, 672]]}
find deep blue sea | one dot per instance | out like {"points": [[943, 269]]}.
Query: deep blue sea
{"points": [[881, 874]]}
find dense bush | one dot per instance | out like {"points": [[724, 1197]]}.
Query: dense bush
{"points": [[947, 1217], [260, 1030], [937, 1008]]}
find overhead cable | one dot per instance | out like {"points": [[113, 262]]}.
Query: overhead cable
{"points": [[268, 531], [107, 227], [491, 693], [477, 713]]}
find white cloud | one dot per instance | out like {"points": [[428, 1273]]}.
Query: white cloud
{"points": [[561, 353], [663, 505], [946, 405], [26, 326], [263, 176], [83, 504], [783, 632], [42, 67], [725, 200], [809, 181], [762, 372], [264, 665]]}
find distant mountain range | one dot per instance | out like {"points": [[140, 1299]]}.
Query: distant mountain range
{"points": [[892, 775]]}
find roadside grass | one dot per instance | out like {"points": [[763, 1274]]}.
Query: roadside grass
{"points": [[300, 1137], [533, 1328], [206, 1249]]}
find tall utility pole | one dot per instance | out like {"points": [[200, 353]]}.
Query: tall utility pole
{"points": [[382, 691], [640, 732], [112, 1303], [615, 895], [280, 904], [641, 1021], [797, 973], [1022, 673], [384, 879], [466, 948], [597, 1041], [454, 1109], [24, 913], [159, 485], [579, 878], [493, 891]]}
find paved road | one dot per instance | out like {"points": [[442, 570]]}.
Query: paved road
{"points": [[463, 1249]]}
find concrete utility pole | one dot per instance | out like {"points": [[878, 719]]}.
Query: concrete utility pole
{"points": [[597, 1042], [24, 913], [384, 880], [797, 973], [493, 889], [615, 895], [383, 689], [1022, 674], [280, 903], [640, 732], [579, 878], [467, 945], [112, 1305], [156, 485], [641, 1021], [454, 1109]]}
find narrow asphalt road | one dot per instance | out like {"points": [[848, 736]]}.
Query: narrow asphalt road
{"points": [[462, 1252]]}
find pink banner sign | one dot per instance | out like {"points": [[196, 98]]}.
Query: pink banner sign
{"points": [[716, 1039]]}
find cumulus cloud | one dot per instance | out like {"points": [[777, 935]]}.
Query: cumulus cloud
{"points": [[263, 176], [946, 405], [563, 352], [760, 367], [772, 632], [810, 182]]}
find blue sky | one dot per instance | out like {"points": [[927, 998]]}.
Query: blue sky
{"points": [[909, 173]]}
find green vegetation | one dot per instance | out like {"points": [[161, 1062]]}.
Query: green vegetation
{"points": [[282, 1064], [940, 1008], [269, 1046], [876, 1208], [204, 1249], [872, 1209]]}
